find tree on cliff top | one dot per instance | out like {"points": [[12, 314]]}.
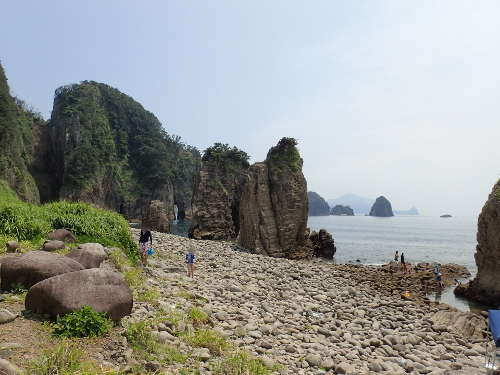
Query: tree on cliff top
{"points": [[222, 153], [286, 153]]}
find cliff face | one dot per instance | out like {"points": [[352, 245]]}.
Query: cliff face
{"points": [[381, 208], [17, 143], [109, 151], [340, 210], [485, 287], [273, 210], [317, 205], [216, 199]]}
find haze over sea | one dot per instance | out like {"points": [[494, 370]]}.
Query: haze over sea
{"points": [[373, 240]]}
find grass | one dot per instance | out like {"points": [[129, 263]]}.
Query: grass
{"points": [[207, 338], [30, 223], [17, 294], [150, 295], [197, 315], [64, 359], [241, 363]]}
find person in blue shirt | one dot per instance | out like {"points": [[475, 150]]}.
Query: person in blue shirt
{"points": [[190, 259]]}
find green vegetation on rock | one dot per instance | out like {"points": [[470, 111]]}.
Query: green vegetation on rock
{"points": [[285, 154], [31, 223], [16, 142]]}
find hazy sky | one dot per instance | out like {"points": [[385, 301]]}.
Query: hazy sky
{"points": [[400, 98]]}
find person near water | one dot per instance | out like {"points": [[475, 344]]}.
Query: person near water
{"points": [[145, 237], [396, 256], [403, 264], [190, 259], [438, 275]]}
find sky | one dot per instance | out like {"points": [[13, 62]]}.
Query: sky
{"points": [[396, 98]]}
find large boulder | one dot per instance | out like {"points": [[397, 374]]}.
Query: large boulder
{"points": [[61, 235], [157, 216], [464, 323], [323, 244], [381, 208], [30, 268], [104, 291], [53, 245], [273, 209], [89, 255], [485, 287], [217, 194]]}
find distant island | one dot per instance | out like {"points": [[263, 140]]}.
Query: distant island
{"points": [[340, 210], [411, 211], [360, 205], [446, 215], [317, 205], [381, 208]]}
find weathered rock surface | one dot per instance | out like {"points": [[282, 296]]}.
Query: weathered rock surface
{"points": [[485, 287], [53, 245], [6, 316], [323, 244], [157, 216], [89, 255], [61, 235], [340, 210], [104, 291], [381, 208], [30, 268], [466, 324], [273, 210], [317, 205], [216, 199]]}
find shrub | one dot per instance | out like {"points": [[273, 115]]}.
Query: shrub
{"points": [[82, 323], [240, 363]]}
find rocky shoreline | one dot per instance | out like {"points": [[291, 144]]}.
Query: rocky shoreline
{"points": [[317, 318], [297, 317]]}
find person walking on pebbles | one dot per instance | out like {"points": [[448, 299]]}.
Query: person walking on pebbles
{"points": [[403, 264], [145, 237], [190, 259], [396, 257]]}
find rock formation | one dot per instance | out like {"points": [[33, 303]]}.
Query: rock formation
{"points": [[216, 200], [104, 291], [317, 205], [381, 208], [273, 210], [17, 143], [340, 210], [89, 255], [323, 244], [485, 287], [33, 267]]}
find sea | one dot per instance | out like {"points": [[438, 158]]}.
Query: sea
{"points": [[374, 240]]}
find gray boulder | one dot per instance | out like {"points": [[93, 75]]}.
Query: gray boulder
{"points": [[53, 245], [104, 291], [89, 255], [30, 268], [62, 235]]}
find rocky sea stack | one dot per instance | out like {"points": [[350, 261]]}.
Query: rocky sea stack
{"points": [[317, 205], [273, 210], [340, 210], [381, 208], [216, 199], [485, 287]]}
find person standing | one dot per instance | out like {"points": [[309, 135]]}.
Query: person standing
{"points": [[403, 264], [190, 259], [145, 237], [396, 256]]}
